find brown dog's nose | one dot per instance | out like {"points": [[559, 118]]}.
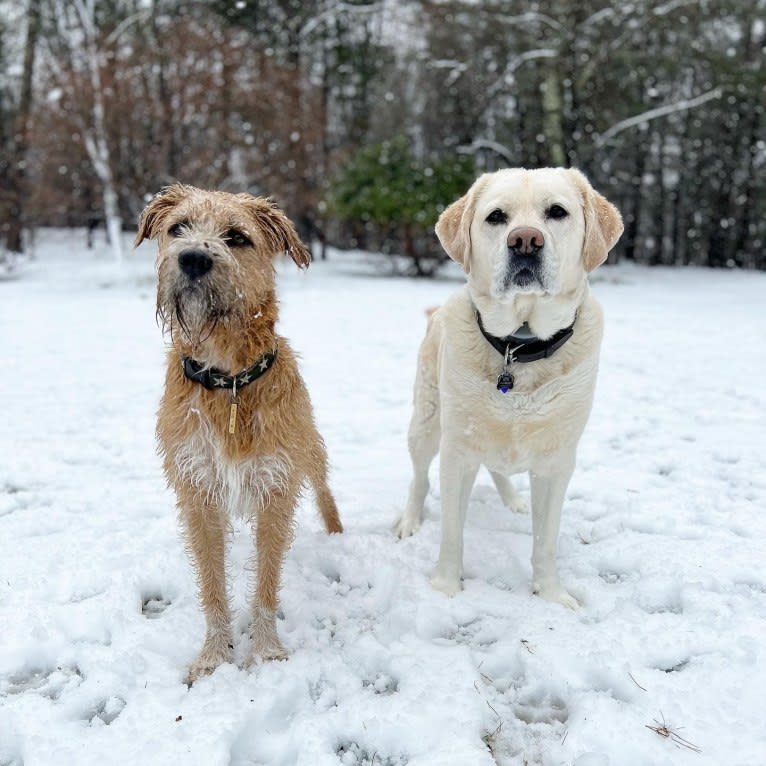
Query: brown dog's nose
{"points": [[195, 263], [526, 239]]}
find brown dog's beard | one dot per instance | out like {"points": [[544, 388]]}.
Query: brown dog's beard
{"points": [[192, 312]]}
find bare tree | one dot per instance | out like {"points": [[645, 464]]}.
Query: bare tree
{"points": [[78, 43], [17, 174]]}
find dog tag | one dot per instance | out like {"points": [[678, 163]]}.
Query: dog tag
{"points": [[504, 382], [233, 418]]}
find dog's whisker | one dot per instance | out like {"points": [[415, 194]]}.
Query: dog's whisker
{"points": [[213, 325]]}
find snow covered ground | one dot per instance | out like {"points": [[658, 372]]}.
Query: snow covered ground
{"points": [[662, 539]]}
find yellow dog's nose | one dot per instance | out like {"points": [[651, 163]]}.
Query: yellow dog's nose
{"points": [[526, 239]]}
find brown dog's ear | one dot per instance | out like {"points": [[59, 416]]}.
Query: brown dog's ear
{"points": [[154, 213], [603, 223], [454, 225], [278, 229]]}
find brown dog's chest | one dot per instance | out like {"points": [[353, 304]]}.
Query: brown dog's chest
{"points": [[227, 469]]}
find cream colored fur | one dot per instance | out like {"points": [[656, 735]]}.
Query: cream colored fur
{"points": [[536, 426]]}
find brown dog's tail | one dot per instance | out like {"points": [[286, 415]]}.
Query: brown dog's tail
{"points": [[317, 477], [328, 509]]}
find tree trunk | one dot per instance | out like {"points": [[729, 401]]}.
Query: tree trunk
{"points": [[741, 241], [748, 150], [679, 236], [324, 138], [97, 141], [631, 229], [166, 100], [553, 117], [408, 243], [718, 239], [658, 252], [18, 170]]}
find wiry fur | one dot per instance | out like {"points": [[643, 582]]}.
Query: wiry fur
{"points": [[226, 319], [244, 487]]}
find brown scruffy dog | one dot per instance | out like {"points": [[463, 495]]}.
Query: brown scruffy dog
{"points": [[235, 425]]}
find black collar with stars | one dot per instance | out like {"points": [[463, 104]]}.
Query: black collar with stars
{"points": [[212, 378]]}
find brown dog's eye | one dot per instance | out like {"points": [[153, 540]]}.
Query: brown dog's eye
{"points": [[556, 212], [176, 229], [236, 238], [496, 217]]}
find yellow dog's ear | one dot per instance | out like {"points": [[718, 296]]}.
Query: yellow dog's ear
{"points": [[150, 222], [454, 225], [603, 223], [278, 230]]}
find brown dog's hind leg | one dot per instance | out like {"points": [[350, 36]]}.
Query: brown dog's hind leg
{"points": [[205, 531]]}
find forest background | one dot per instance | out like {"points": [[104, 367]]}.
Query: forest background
{"points": [[365, 119]]}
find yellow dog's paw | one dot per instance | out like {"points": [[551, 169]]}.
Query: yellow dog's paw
{"points": [[407, 525], [448, 585], [557, 595]]}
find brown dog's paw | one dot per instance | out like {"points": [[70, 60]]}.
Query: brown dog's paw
{"points": [[207, 661], [272, 651], [265, 641]]}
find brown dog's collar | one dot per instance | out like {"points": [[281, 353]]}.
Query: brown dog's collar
{"points": [[213, 378]]}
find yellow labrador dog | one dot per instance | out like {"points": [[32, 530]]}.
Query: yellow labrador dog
{"points": [[508, 366]]}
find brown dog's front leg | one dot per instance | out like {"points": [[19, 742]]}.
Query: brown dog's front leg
{"points": [[205, 533], [273, 533]]}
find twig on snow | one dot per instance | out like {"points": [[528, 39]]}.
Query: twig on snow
{"points": [[672, 734], [636, 682]]}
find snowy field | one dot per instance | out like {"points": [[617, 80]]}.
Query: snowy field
{"points": [[663, 540]]}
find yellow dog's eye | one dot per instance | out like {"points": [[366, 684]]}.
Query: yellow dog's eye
{"points": [[176, 229], [556, 212], [496, 217], [236, 238]]}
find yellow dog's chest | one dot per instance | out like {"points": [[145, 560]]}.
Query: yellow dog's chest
{"points": [[513, 432]]}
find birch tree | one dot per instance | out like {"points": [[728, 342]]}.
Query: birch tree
{"points": [[78, 42], [19, 144]]}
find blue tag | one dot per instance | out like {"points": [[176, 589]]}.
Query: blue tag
{"points": [[504, 382]]}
